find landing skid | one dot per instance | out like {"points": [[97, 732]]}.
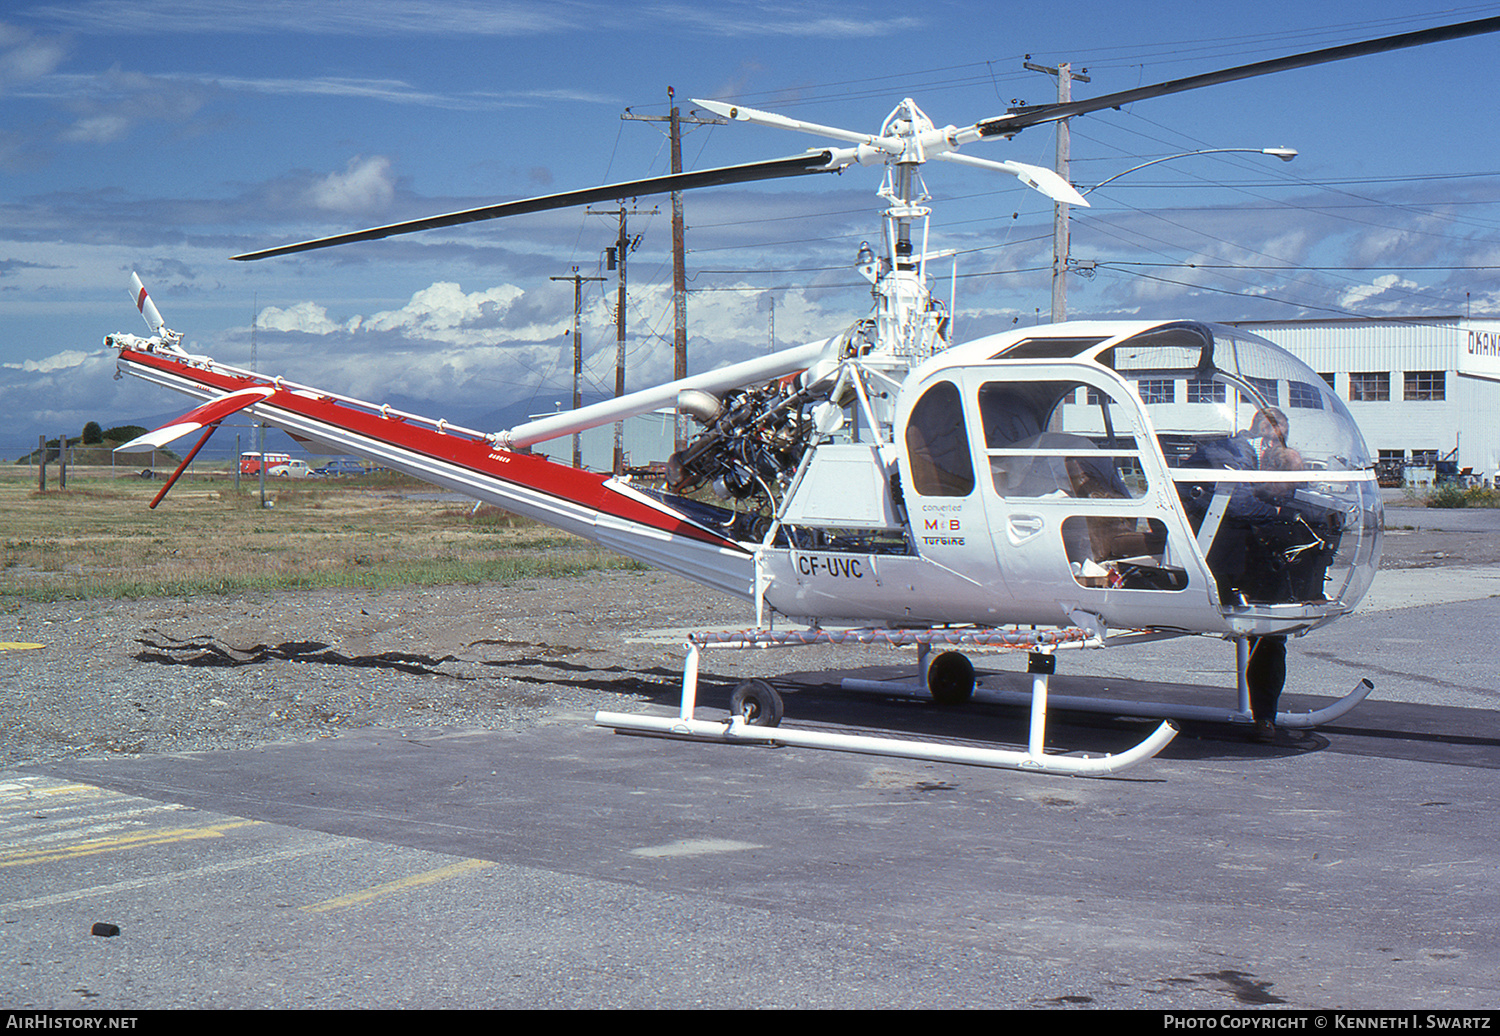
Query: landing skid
{"points": [[757, 706], [1154, 710]]}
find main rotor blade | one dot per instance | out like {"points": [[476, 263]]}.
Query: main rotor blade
{"points": [[1031, 115], [770, 169], [1034, 176], [741, 113]]}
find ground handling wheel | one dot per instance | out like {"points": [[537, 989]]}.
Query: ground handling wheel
{"points": [[950, 678], [757, 703]]}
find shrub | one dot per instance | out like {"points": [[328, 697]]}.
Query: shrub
{"points": [[1451, 494]]}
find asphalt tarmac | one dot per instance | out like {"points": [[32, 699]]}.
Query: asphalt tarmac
{"points": [[566, 866]]}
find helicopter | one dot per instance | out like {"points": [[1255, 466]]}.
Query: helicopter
{"points": [[1046, 487]]}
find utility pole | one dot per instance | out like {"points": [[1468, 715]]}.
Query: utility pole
{"points": [[1060, 245], [674, 121], [259, 425], [622, 247], [577, 354]]}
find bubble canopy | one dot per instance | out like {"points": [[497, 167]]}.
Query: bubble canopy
{"points": [[1263, 458], [1242, 420], [1205, 379]]}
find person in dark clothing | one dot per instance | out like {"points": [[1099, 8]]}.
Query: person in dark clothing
{"points": [[1265, 670], [1240, 555], [1265, 674]]}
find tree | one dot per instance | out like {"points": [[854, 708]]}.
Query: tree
{"points": [[93, 435], [124, 432]]}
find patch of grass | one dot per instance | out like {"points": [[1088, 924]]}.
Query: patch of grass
{"points": [[1450, 494], [98, 539]]}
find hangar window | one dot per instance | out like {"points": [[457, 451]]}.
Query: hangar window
{"points": [[1301, 394], [1425, 385], [1267, 387], [1156, 390], [1205, 390], [1369, 386]]}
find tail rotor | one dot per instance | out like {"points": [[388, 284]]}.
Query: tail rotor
{"points": [[149, 313]]}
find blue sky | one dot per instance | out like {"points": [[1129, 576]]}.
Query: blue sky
{"points": [[164, 136]]}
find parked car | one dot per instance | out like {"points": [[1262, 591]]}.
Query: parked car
{"points": [[293, 468], [339, 467]]}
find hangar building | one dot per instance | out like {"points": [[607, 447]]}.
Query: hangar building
{"points": [[1421, 390]]}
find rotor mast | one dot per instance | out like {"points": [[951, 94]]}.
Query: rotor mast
{"points": [[905, 317], [908, 326]]}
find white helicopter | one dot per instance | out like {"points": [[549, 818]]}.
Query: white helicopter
{"points": [[1034, 489]]}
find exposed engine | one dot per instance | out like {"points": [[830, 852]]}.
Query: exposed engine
{"points": [[753, 438], [751, 443]]}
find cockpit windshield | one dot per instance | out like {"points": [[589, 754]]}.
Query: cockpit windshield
{"points": [[1202, 382], [1270, 467]]}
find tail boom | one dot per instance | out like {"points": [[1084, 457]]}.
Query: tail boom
{"points": [[591, 505]]}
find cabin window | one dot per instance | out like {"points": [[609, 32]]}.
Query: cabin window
{"points": [[937, 444], [1114, 552], [1047, 348], [1038, 448]]}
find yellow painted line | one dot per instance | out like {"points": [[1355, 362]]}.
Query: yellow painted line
{"points": [[160, 881], [13, 645], [400, 885], [27, 799], [28, 857], [16, 795]]}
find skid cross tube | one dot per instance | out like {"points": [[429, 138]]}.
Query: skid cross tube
{"points": [[735, 729], [1148, 709]]}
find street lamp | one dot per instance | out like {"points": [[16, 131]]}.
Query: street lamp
{"points": [[1286, 154], [1060, 263]]}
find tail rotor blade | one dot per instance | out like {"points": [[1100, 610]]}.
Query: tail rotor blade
{"points": [[143, 303]]}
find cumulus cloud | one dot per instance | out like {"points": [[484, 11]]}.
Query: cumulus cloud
{"points": [[365, 185], [60, 393], [304, 318], [1363, 294], [64, 360], [99, 129], [446, 346], [448, 352], [442, 313], [445, 307]]}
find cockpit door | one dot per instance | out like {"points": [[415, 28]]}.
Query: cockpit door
{"points": [[1078, 499]]}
